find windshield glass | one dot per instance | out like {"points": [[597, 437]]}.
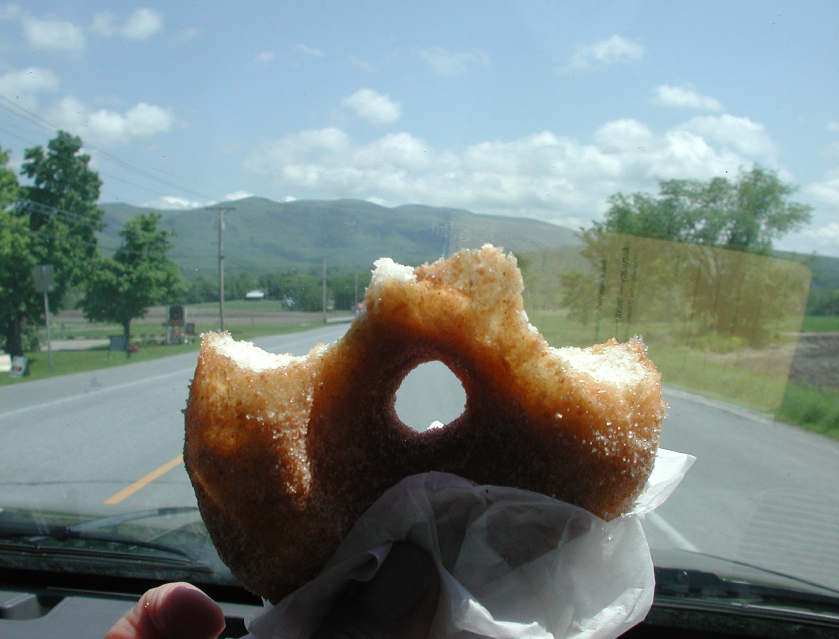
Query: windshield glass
{"points": [[666, 170]]}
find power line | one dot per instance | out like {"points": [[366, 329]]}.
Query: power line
{"points": [[33, 118], [24, 204], [96, 245]]}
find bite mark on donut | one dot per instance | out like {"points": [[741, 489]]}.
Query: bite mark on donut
{"points": [[285, 453]]}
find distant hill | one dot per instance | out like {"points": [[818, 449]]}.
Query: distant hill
{"points": [[824, 269], [263, 236]]}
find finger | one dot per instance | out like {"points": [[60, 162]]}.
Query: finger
{"points": [[399, 602], [171, 611]]}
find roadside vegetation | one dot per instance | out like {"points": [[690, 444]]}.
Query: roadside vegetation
{"points": [[66, 362]]}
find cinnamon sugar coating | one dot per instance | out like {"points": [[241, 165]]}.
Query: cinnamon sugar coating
{"points": [[284, 459]]}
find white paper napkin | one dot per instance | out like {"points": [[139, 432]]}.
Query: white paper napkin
{"points": [[513, 564]]}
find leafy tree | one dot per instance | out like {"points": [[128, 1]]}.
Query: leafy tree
{"points": [[745, 215], [16, 261], [139, 275], [60, 223], [238, 285], [342, 285], [301, 291], [715, 287], [200, 290]]}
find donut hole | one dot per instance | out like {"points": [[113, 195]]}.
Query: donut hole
{"points": [[430, 393]]}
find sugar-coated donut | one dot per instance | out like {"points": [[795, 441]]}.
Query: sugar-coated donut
{"points": [[285, 453]]}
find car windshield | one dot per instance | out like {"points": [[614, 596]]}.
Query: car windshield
{"points": [[665, 170]]}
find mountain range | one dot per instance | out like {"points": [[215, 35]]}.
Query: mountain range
{"points": [[263, 236]]}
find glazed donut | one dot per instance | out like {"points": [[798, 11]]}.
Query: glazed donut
{"points": [[285, 453]]}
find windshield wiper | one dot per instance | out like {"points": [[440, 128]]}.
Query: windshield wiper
{"points": [[35, 532], [678, 582]]}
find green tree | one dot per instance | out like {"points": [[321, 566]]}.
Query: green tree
{"points": [[138, 276], [745, 215], [58, 214], [713, 285], [16, 261]]}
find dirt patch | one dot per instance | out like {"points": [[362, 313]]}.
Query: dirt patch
{"points": [[814, 359]]}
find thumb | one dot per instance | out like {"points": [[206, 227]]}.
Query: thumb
{"points": [[399, 602], [177, 610]]}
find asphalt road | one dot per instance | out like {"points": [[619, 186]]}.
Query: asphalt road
{"points": [[760, 492]]}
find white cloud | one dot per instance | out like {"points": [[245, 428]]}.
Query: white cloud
{"points": [[740, 134], [22, 86], [666, 95], [143, 24], [140, 25], [236, 195], [602, 54], [542, 175], [107, 127], [373, 106], [173, 202], [452, 64], [826, 192], [833, 127], [315, 53], [264, 58], [53, 34]]}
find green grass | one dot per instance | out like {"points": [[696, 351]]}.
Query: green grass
{"points": [[686, 368], [693, 370], [68, 362], [820, 324], [815, 409], [261, 306]]}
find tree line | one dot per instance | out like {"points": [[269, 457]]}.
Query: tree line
{"points": [[298, 290]]}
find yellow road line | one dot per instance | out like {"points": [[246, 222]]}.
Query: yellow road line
{"points": [[144, 481]]}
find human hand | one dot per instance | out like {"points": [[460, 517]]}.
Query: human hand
{"points": [[171, 611], [399, 602]]}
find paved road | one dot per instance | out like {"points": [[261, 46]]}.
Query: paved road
{"points": [[760, 492]]}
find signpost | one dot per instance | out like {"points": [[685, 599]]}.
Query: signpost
{"points": [[175, 325], [43, 274]]}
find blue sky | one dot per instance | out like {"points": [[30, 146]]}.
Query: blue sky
{"points": [[541, 109]]}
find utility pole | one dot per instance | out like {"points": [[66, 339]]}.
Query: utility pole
{"points": [[43, 277], [221, 211], [323, 288]]}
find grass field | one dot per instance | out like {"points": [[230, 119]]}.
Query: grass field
{"points": [[817, 324], [261, 306], [67, 362], [690, 369], [812, 408]]}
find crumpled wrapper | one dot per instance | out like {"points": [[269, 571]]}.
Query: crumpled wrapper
{"points": [[513, 564]]}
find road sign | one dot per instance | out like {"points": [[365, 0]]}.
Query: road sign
{"points": [[44, 275], [177, 315]]}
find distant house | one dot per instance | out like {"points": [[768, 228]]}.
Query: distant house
{"points": [[255, 294]]}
